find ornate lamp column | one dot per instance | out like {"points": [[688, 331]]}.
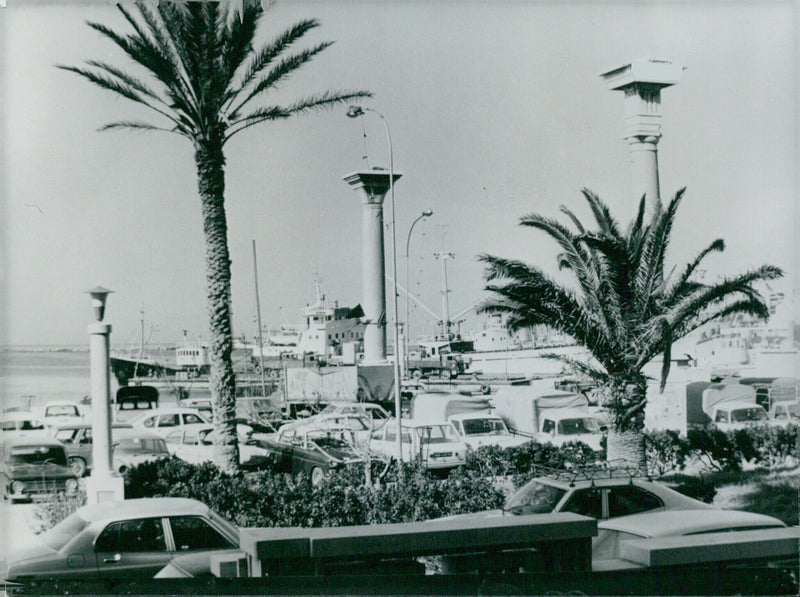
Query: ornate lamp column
{"points": [[102, 485], [372, 186], [642, 82]]}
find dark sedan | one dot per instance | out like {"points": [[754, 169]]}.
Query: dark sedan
{"points": [[33, 466], [311, 450]]}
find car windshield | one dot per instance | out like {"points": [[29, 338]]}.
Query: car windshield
{"points": [[534, 498], [578, 426], [743, 415], [62, 410], [66, 530], [436, 434], [136, 445], [37, 455], [332, 443], [484, 427]]}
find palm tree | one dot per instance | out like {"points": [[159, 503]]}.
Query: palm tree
{"points": [[622, 307], [208, 77]]}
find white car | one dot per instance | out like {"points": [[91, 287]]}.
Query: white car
{"points": [[481, 429], [359, 424], [62, 412], [166, 420], [436, 444], [21, 423], [196, 445], [376, 414], [669, 523], [133, 446]]}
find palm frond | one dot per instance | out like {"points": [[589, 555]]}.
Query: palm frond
{"points": [[278, 73], [144, 126], [602, 214], [317, 102], [262, 58]]}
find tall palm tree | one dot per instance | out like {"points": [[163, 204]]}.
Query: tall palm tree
{"points": [[621, 307], [208, 79]]}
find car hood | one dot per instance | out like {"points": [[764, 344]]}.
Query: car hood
{"points": [[22, 472], [18, 561], [504, 441]]}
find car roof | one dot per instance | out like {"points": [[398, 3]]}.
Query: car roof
{"points": [[161, 506], [170, 410], [32, 440], [687, 522], [20, 415], [59, 426], [473, 415]]}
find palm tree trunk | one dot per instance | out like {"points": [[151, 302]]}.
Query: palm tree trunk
{"points": [[626, 434], [210, 163]]}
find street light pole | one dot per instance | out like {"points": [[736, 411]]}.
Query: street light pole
{"points": [[355, 112], [425, 214]]}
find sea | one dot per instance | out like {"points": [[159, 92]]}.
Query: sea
{"points": [[34, 375]]}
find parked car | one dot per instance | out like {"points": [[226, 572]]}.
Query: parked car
{"points": [[201, 404], [376, 414], [599, 493], [785, 411], [21, 423], [131, 538], [312, 450], [34, 466], [165, 420], [131, 447], [77, 440], [436, 444], [670, 523], [62, 411], [358, 424], [482, 429], [197, 445]]}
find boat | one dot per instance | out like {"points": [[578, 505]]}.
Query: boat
{"points": [[330, 333]]}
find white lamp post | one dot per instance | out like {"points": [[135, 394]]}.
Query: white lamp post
{"points": [[355, 112], [425, 214], [102, 485]]}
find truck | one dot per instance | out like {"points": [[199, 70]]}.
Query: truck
{"points": [[727, 406], [439, 406], [443, 365], [548, 416]]}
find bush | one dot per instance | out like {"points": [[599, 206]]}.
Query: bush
{"points": [[715, 448], [55, 508], [666, 451]]}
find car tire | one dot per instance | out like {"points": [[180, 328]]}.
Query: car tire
{"points": [[416, 373], [445, 374], [317, 474], [78, 466]]}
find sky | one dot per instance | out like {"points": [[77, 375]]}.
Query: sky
{"points": [[495, 110]]}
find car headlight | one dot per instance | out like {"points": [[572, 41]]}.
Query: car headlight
{"points": [[17, 487], [71, 485]]}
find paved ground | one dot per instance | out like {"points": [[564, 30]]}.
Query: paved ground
{"points": [[16, 530]]}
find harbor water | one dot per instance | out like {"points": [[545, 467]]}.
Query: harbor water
{"points": [[31, 377]]}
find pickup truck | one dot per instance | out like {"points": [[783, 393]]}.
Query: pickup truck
{"points": [[478, 429]]}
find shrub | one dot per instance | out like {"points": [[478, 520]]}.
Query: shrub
{"points": [[715, 448], [666, 451], [55, 508]]}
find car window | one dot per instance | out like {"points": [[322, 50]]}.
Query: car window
{"points": [[588, 502], [193, 532], [31, 424], [145, 534], [168, 421], [548, 426], [66, 435], [631, 500], [38, 455], [9, 425], [87, 436], [722, 417], [61, 411], [191, 419], [535, 498]]}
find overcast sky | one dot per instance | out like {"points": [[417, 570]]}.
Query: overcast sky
{"points": [[496, 110]]}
